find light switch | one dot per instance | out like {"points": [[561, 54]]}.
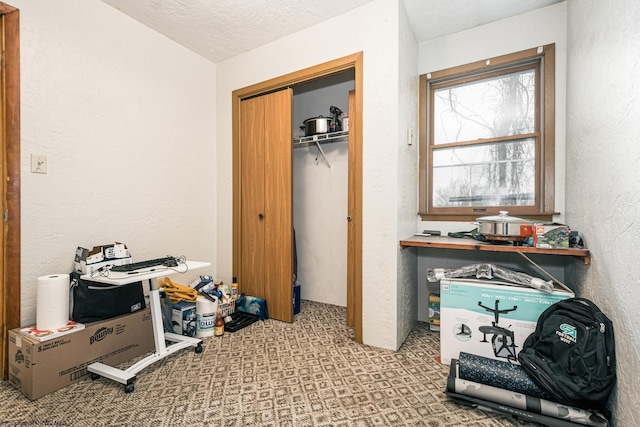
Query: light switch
{"points": [[410, 136], [38, 163]]}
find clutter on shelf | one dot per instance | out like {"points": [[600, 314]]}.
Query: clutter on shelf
{"points": [[506, 229]]}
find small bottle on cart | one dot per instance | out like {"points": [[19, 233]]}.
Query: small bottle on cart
{"points": [[234, 291], [218, 326]]}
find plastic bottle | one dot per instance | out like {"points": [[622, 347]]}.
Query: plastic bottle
{"points": [[234, 291], [218, 326]]}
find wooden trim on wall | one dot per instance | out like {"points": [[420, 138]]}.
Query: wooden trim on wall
{"points": [[10, 288], [549, 143]]}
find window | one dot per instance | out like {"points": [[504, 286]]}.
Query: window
{"points": [[487, 138]]}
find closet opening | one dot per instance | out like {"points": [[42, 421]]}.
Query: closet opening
{"points": [[322, 188]]}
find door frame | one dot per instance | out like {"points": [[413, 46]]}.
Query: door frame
{"points": [[10, 167], [355, 62]]}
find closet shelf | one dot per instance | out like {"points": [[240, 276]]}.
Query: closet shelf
{"points": [[323, 138]]}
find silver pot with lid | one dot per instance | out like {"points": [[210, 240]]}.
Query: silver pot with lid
{"points": [[316, 125], [503, 226]]}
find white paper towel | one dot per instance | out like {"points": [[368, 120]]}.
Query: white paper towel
{"points": [[206, 317], [52, 301]]}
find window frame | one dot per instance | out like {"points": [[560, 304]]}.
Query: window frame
{"points": [[544, 134]]}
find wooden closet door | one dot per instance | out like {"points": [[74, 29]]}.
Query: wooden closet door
{"points": [[252, 194], [266, 201], [278, 219], [351, 224]]}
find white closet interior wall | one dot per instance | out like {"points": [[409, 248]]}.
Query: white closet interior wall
{"points": [[320, 194]]}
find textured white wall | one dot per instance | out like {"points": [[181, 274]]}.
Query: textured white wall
{"points": [[372, 29], [407, 302], [526, 31], [126, 119], [603, 163]]}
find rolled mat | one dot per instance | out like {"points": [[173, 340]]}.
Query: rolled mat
{"points": [[499, 374], [530, 408]]}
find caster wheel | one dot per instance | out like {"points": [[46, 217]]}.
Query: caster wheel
{"points": [[198, 349], [128, 388], [94, 376]]}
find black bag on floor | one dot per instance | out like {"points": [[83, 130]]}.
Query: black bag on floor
{"points": [[93, 301], [571, 354]]}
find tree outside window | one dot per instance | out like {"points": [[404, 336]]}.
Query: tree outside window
{"points": [[487, 137]]}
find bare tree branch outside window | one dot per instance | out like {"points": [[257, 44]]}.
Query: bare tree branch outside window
{"points": [[487, 156]]}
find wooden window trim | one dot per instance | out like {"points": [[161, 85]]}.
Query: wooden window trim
{"points": [[546, 192]]}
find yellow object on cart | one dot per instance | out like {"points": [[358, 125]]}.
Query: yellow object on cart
{"points": [[177, 292]]}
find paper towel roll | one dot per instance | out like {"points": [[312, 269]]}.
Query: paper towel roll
{"points": [[52, 301], [205, 317]]}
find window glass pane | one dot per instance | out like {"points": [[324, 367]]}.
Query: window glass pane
{"points": [[495, 174], [493, 107]]}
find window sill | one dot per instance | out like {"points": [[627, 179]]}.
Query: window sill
{"points": [[543, 217]]}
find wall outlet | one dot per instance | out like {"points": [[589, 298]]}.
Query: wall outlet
{"points": [[38, 163]]}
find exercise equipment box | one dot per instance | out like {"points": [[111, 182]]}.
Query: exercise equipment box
{"points": [[489, 318]]}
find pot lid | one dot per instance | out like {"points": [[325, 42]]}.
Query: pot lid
{"points": [[317, 118], [503, 217]]}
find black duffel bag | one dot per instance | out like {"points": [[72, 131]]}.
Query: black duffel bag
{"points": [[91, 301]]}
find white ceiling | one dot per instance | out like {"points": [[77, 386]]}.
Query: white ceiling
{"points": [[221, 29]]}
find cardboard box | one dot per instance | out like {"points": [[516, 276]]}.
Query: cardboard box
{"points": [[38, 368], [184, 319], [88, 261], [551, 236], [489, 318], [434, 312]]}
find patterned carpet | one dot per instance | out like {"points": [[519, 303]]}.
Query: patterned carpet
{"points": [[307, 373]]}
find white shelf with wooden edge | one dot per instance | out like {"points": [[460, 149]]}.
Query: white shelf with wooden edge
{"points": [[162, 350]]}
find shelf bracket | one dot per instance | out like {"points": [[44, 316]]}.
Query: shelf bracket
{"points": [[322, 152], [566, 288]]}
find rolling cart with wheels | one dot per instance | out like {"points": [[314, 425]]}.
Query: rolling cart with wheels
{"points": [[127, 376]]}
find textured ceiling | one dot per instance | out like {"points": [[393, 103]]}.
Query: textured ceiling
{"points": [[436, 18], [221, 29]]}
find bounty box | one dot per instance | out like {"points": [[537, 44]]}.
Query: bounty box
{"points": [[40, 367], [490, 318]]}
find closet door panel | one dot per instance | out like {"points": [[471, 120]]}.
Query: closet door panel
{"points": [[252, 195], [278, 231], [351, 223]]}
